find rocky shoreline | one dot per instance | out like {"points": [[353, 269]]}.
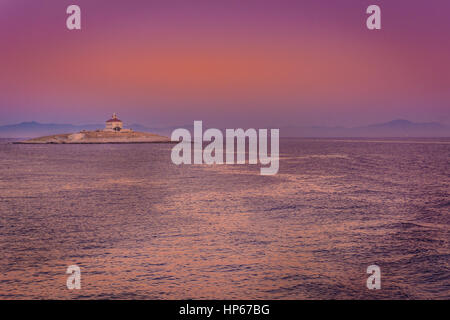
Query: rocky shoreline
{"points": [[98, 137]]}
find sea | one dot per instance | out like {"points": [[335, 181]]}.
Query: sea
{"points": [[140, 227]]}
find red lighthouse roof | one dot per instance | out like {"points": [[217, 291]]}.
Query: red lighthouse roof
{"points": [[114, 119]]}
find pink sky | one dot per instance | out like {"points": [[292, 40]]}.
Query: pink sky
{"points": [[261, 63]]}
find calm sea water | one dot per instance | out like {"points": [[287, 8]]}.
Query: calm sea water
{"points": [[140, 227]]}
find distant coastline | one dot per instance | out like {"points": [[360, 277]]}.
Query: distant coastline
{"points": [[395, 128]]}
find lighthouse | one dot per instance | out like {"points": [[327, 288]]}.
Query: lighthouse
{"points": [[114, 124]]}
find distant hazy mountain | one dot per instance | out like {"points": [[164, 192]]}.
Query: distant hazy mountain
{"points": [[35, 129], [396, 128]]}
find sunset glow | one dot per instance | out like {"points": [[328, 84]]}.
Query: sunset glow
{"points": [[270, 63]]}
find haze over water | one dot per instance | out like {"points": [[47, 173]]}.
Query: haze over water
{"points": [[140, 227]]}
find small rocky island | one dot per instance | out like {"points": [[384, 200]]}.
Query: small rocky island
{"points": [[113, 133]]}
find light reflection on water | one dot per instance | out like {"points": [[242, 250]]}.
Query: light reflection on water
{"points": [[141, 227]]}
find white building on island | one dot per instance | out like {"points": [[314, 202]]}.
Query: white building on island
{"points": [[114, 124]]}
